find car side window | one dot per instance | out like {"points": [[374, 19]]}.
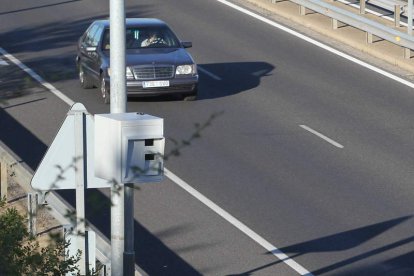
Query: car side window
{"points": [[97, 37], [105, 40], [89, 36]]}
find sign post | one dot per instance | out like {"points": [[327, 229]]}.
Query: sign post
{"points": [[80, 167]]}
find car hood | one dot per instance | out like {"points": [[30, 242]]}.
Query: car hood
{"points": [[158, 56]]}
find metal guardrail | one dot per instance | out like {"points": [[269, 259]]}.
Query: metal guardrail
{"points": [[390, 5], [358, 21]]}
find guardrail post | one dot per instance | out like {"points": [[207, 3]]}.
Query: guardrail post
{"points": [[410, 18], [334, 24], [32, 203], [302, 10], [397, 12], [362, 6], [407, 53], [370, 38], [3, 179]]}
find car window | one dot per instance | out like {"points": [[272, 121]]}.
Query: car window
{"points": [[97, 37], [145, 37], [89, 36], [105, 40]]}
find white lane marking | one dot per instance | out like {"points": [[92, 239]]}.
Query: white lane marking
{"points": [[211, 75], [34, 75], [320, 135], [319, 44], [3, 62], [238, 224]]}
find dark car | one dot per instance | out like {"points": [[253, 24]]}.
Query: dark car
{"points": [[157, 61]]}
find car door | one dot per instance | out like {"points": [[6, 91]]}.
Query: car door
{"points": [[95, 56], [88, 51]]}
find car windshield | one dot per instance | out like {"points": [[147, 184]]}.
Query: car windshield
{"points": [[145, 37]]}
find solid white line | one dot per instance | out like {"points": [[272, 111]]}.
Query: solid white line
{"points": [[317, 43], [238, 224], [320, 135], [211, 75], [34, 75]]}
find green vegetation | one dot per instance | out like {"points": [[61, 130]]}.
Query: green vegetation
{"points": [[22, 255]]}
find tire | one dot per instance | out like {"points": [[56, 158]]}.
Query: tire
{"points": [[85, 81], [190, 98], [104, 90]]}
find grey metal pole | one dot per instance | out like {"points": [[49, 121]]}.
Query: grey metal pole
{"points": [[117, 56], [129, 254], [118, 105], [80, 186]]}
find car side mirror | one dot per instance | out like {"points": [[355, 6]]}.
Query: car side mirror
{"points": [[187, 44]]}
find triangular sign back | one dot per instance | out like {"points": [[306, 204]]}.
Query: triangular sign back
{"points": [[56, 170]]}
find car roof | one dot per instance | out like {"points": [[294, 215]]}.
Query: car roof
{"points": [[136, 22]]}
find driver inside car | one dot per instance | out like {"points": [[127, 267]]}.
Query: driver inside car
{"points": [[153, 38]]}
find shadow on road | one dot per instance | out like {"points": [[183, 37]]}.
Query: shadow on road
{"points": [[218, 80], [348, 240], [399, 266], [235, 77]]}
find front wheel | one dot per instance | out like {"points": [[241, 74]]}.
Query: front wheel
{"points": [[105, 90], [84, 79], [190, 98]]}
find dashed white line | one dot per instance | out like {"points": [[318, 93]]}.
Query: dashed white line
{"points": [[320, 135], [211, 75], [34, 75]]}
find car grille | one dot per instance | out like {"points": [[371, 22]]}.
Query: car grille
{"points": [[153, 72]]}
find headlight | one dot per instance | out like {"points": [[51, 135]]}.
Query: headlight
{"points": [[185, 69]]}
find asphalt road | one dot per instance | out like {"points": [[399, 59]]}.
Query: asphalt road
{"points": [[334, 210]]}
